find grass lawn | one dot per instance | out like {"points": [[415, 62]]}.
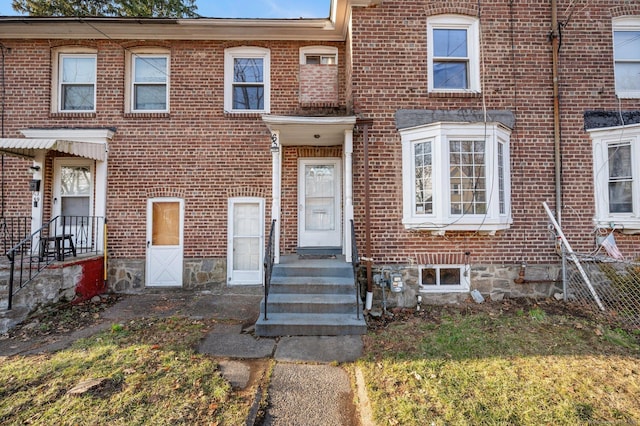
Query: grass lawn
{"points": [[148, 373], [505, 365]]}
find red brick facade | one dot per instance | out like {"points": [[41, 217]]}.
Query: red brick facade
{"points": [[205, 155]]}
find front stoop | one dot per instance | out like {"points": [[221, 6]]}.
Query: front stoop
{"points": [[311, 297]]}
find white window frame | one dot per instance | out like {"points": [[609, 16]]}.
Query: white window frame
{"points": [[321, 51], [620, 25], [130, 79], [472, 27], [56, 74], [440, 219], [463, 287], [233, 53], [601, 140]]}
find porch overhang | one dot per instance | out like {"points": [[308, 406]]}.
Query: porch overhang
{"points": [[28, 147], [314, 131], [85, 143]]}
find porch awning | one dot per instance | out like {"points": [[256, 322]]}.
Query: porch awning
{"points": [[28, 147]]}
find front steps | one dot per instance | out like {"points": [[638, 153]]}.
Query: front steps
{"points": [[311, 297]]}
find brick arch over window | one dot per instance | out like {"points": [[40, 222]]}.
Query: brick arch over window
{"points": [[165, 193], [440, 258], [90, 44], [242, 192], [626, 10], [464, 7]]}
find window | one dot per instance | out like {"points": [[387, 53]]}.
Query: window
{"points": [[626, 52], [319, 55], [246, 76], [456, 177], [444, 278], [74, 75], [148, 80], [616, 160], [453, 54]]}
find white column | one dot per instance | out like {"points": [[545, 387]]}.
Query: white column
{"points": [[101, 200], [37, 201], [276, 190], [348, 191]]}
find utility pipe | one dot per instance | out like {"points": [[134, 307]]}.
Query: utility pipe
{"points": [[367, 204], [555, 46]]}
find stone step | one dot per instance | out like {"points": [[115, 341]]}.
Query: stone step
{"points": [[312, 285], [281, 324], [310, 303]]}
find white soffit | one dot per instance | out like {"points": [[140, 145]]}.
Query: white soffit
{"points": [[315, 131]]}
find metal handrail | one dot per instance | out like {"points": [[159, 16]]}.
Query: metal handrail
{"points": [[13, 230], [68, 234], [355, 262], [268, 266]]}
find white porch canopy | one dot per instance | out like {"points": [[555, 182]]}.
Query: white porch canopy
{"points": [[29, 147]]}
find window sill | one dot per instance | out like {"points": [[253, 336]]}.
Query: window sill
{"points": [[628, 225], [242, 114], [486, 227], [455, 94], [79, 114], [443, 289], [147, 115]]}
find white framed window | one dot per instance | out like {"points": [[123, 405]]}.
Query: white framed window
{"points": [[318, 55], [456, 177], [74, 80], [616, 162], [453, 54], [148, 80], [247, 79], [444, 278], [626, 54]]}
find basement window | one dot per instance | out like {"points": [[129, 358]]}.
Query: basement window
{"points": [[444, 278]]}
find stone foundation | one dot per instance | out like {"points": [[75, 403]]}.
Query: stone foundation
{"points": [[494, 282], [128, 275]]}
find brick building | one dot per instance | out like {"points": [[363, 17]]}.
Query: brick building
{"points": [[435, 125]]}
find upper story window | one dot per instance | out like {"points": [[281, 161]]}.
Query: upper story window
{"points": [[247, 79], [626, 52], [74, 80], [147, 88], [456, 177], [616, 162], [453, 54], [318, 55]]}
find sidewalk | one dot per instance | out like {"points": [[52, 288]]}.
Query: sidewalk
{"points": [[305, 387]]}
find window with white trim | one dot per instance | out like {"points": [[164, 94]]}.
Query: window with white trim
{"points": [[456, 177], [148, 80], [616, 162], [626, 53], [453, 52], [247, 79], [74, 80], [319, 55], [443, 278]]}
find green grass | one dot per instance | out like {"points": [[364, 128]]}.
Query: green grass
{"points": [[491, 368], [152, 376]]}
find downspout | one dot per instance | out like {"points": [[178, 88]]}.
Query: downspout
{"points": [[555, 46], [367, 215]]}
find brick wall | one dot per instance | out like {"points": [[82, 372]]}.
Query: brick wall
{"points": [[389, 73]]}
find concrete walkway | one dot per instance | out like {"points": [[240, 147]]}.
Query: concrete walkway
{"points": [[306, 386]]}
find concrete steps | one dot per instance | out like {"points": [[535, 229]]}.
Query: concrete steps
{"points": [[311, 297]]}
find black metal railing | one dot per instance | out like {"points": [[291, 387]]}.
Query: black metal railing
{"points": [[61, 237], [268, 266], [355, 262], [13, 230]]}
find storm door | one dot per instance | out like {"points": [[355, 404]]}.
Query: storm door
{"points": [[319, 203], [73, 199], [165, 217], [245, 241]]}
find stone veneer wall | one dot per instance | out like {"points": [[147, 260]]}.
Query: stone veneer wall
{"points": [[494, 282], [128, 276]]}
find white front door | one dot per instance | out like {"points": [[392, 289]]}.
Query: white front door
{"points": [[245, 241], [320, 207], [73, 198], [165, 217]]}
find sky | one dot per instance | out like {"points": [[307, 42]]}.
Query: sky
{"points": [[243, 8]]}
